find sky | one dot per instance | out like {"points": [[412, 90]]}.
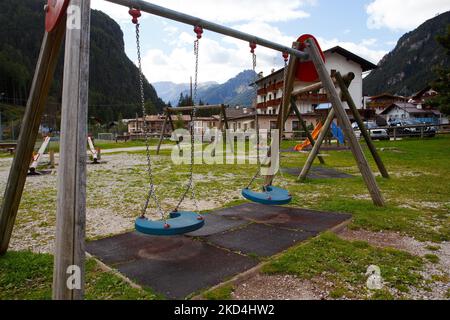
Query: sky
{"points": [[368, 28]]}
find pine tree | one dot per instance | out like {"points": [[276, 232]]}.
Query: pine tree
{"points": [[442, 84]]}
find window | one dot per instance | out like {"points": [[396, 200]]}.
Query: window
{"points": [[273, 125], [295, 126]]}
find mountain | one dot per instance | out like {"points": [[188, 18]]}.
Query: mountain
{"points": [[235, 91], [113, 89], [170, 92], [409, 67]]}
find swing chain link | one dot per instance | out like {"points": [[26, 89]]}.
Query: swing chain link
{"points": [[190, 185], [255, 105], [151, 192]]}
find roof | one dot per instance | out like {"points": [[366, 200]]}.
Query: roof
{"points": [[234, 112], [365, 64], [387, 95], [408, 107], [420, 95]]}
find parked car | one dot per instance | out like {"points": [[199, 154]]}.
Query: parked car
{"points": [[413, 131], [376, 133]]}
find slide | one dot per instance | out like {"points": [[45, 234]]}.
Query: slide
{"points": [[306, 143], [38, 155], [93, 150], [337, 133]]}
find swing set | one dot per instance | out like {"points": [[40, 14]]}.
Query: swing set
{"points": [[303, 61]]}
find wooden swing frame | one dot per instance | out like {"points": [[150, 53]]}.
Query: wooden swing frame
{"points": [[71, 199]]}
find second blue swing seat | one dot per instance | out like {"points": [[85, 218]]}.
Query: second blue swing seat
{"points": [[179, 223], [272, 196]]}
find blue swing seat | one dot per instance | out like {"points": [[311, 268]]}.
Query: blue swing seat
{"points": [[179, 223], [272, 196]]}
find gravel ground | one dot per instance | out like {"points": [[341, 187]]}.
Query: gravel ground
{"points": [[114, 199], [279, 287], [411, 245], [287, 287]]}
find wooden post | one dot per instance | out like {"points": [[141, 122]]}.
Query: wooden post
{"points": [[333, 96], [161, 137], [305, 127], [52, 159], [315, 150], [42, 80], [225, 120], [288, 87], [347, 97], [69, 264], [172, 126]]}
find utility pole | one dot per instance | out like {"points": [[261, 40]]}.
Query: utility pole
{"points": [[1, 129], [12, 130]]}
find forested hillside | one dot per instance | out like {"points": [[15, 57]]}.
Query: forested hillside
{"points": [[113, 77], [410, 66]]}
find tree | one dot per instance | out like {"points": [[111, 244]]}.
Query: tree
{"points": [[178, 123], [185, 101], [150, 107], [442, 84]]}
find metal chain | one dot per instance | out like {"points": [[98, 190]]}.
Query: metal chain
{"points": [[151, 192], [255, 100], [191, 185]]}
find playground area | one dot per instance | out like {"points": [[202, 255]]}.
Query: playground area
{"points": [[96, 220], [407, 239]]}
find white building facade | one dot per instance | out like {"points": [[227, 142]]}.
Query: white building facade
{"points": [[270, 88]]}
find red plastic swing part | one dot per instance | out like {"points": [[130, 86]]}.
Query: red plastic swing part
{"points": [[306, 71], [54, 12]]}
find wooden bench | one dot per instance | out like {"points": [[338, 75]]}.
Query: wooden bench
{"points": [[9, 146], [122, 138]]}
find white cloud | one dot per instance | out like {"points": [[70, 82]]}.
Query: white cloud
{"points": [[364, 49], [403, 14], [219, 59], [222, 59], [222, 10]]}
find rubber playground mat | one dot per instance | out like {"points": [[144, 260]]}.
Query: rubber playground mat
{"points": [[318, 172], [232, 241]]}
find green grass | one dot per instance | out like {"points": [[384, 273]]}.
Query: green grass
{"points": [[417, 197], [345, 264], [432, 258], [28, 276], [106, 144], [433, 248], [221, 293]]}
